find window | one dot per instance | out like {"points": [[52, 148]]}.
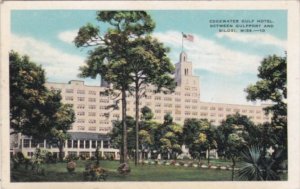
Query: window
{"points": [[203, 114], [42, 144], [92, 128], [69, 98], [80, 121], [80, 92], [80, 113], [177, 106], [187, 100], [34, 143], [157, 98], [187, 94], [194, 101], [236, 110], [168, 105], [80, 106], [168, 99], [228, 109], [177, 99], [92, 92], [92, 107], [87, 144], [157, 111], [92, 113], [187, 113], [258, 111], [194, 107], [69, 143], [81, 144], [92, 99], [105, 144], [203, 107], [220, 109], [148, 97], [212, 108], [177, 93], [103, 94], [26, 143], [102, 107], [244, 111], [195, 113], [187, 107], [93, 144], [69, 90], [80, 98], [80, 128], [177, 118], [75, 144], [92, 121], [104, 100]]}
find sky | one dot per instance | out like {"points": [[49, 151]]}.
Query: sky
{"points": [[226, 62]]}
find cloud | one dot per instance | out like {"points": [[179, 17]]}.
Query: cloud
{"points": [[59, 66], [265, 39], [68, 36], [211, 56]]}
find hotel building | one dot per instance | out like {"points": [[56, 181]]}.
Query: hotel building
{"points": [[94, 117]]}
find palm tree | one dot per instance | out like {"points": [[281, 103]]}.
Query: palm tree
{"points": [[259, 167]]}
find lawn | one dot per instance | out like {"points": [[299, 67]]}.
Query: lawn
{"points": [[57, 172]]}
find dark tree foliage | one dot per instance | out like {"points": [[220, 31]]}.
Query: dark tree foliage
{"points": [[272, 86], [29, 99], [115, 51], [36, 111]]}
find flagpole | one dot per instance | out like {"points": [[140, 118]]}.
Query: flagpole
{"points": [[181, 41]]}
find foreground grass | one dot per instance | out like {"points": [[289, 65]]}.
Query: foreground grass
{"points": [[58, 173]]}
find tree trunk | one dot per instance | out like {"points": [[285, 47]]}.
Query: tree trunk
{"points": [[137, 99], [233, 165], [208, 154], [60, 148], [125, 150]]}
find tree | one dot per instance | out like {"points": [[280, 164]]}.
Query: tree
{"points": [[207, 138], [257, 166], [272, 86], [150, 65], [32, 106], [232, 136], [28, 96], [198, 135], [116, 134], [147, 128], [111, 57], [62, 122], [169, 137]]}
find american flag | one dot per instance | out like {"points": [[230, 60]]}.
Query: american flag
{"points": [[188, 37]]}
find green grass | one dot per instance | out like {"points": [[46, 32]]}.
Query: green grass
{"points": [[57, 172]]}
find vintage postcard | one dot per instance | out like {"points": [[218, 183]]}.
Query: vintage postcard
{"points": [[118, 94]]}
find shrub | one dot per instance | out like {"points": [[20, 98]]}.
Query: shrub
{"points": [[72, 157], [94, 172], [82, 157], [71, 166], [124, 168], [17, 160], [173, 162]]}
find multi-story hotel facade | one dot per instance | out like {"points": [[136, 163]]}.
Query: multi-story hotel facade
{"points": [[94, 118]]}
